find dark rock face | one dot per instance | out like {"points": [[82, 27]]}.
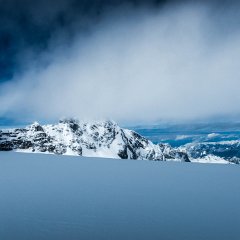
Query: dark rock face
{"points": [[6, 146], [23, 144], [105, 139], [183, 156], [123, 153]]}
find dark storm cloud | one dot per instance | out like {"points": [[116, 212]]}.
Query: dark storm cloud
{"points": [[29, 24]]}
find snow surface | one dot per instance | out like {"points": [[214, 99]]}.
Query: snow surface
{"points": [[210, 159], [47, 197]]}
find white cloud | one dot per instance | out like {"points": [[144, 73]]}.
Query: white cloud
{"points": [[145, 66]]}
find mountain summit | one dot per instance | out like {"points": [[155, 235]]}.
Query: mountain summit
{"points": [[96, 139]]}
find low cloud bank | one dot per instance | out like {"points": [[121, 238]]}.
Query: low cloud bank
{"points": [[175, 63]]}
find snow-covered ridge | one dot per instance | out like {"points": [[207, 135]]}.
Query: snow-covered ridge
{"points": [[106, 139], [96, 139]]}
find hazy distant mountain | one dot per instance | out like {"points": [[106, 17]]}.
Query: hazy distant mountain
{"points": [[213, 151]]}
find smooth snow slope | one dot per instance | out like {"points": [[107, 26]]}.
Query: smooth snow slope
{"points": [[76, 198]]}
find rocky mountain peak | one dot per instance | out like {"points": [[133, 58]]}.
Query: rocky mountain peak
{"points": [[93, 139]]}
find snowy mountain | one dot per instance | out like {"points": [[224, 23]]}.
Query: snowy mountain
{"points": [[221, 152], [97, 139], [106, 139]]}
